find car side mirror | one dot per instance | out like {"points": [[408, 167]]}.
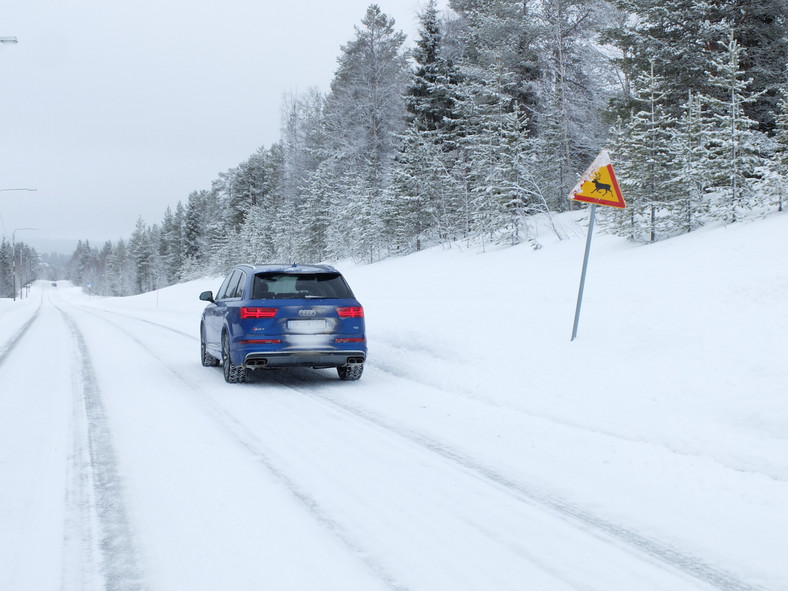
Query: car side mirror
{"points": [[207, 296]]}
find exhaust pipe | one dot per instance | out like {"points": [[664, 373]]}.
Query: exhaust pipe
{"points": [[355, 360]]}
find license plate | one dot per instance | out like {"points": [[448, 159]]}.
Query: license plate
{"points": [[306, 326]]}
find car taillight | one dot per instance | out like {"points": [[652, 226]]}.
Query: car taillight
{"points": [[351, 312], [258, 312], [354, 340], [260, 342]]}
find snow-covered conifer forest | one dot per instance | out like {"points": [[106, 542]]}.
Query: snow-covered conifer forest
{"points": [[482, 122]]}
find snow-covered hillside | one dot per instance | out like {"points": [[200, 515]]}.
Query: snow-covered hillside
{"points": [[482, 449]]}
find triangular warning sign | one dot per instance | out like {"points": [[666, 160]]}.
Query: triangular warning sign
{"points": [[599, 184]]}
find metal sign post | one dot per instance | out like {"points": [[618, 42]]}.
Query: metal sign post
{"points": [[598, 186], [585, 268]]}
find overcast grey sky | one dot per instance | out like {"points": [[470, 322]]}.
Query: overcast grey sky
{"points": [[115, 109]]}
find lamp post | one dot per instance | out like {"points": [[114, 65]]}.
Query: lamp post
{"points": [[13, 259]]}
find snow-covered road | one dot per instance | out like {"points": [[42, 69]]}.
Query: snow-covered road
{"points": [[124, 464]]}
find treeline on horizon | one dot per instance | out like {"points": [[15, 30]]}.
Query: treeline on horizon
{"points": [[487, 121]]}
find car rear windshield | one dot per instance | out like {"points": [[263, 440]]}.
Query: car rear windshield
{"points": [[294, 285]]}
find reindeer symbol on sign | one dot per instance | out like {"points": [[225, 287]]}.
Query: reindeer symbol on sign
{"points": [[600, 186]]}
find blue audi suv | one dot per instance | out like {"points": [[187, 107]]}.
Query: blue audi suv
{"points": [[277, 316]]}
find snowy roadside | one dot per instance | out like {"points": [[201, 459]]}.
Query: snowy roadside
{"points": [[680, 352], [662, 427]]}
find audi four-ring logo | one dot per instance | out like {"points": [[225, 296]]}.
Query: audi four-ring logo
{"points": [[307, 313]]}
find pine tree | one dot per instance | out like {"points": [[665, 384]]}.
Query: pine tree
{"points": [[364, 118]]}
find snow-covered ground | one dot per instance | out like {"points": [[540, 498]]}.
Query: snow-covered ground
{"points": [[481, 450]]}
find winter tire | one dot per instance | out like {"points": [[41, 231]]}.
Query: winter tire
{"points": [[233, 374], [350, 372]]}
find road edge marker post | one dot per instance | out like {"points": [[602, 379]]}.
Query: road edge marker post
{"points": [[597, 186]]}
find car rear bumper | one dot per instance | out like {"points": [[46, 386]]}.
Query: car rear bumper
{"points": [[260, 360]]}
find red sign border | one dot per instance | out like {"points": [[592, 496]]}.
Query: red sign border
{"points": [[596, 200]]}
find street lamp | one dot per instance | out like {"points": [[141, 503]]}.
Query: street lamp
{"points": [[13, 259]]}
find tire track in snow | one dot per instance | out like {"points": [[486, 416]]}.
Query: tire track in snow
{"points": [[393, 370], [681, 560], [8, 346], [653, 549], [105, 534], [250, 443]]}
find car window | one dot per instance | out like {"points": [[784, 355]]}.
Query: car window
{"points": [[232, 287], [238, 291], [295, 285], [223, 288], [236, 285]]}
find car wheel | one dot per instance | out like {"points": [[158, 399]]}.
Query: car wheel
{"points": [[233, 374], [350, 372], [206, 358]]}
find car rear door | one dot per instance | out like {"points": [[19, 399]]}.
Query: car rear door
{"points": [[215, 314]]}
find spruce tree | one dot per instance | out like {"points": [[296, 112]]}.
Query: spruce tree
{"points": [[430, 96], [761, 30], [646, 172], [6, 273], [500, 154], [689, 152], [733, 144], [781, 149], [170, 245], [681, 37], [121, 273], [313, 220], [419, 198], [142, 253], [414, 198], [501, 33]]}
